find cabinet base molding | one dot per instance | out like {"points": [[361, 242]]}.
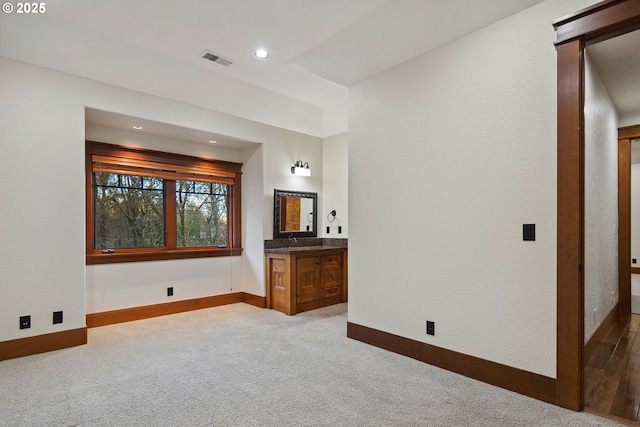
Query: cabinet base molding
{"points": [[42, 343], [145, 312], [517, 380]]}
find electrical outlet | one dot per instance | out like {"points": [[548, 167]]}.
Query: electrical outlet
{"points": [[170, 291], [339, 229], [431, 327], [25, 322], [328, 229], [57, 317]]}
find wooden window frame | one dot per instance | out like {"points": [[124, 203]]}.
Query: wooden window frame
{"points": [[139, 158]]}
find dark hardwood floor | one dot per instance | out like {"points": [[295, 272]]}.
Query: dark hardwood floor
{"points": [[612, 374]]}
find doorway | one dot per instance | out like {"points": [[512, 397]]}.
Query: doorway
{"points": [[634, 213], [635, 224], [600, 22]]}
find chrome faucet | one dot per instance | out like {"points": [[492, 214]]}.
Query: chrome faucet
{"points": [[292, 239]]}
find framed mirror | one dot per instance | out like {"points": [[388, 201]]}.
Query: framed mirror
{"points": [[295, 213]]}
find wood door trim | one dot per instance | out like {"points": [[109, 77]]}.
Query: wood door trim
{"points": [[599, 22], [570, 292], [629, 132], [624, 226]]}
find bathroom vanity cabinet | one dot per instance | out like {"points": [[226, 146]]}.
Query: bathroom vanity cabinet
{"points": [[305, 278]]}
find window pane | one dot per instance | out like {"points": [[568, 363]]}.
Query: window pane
{"points": [[152, 183], [201, 214], [201, 187], [220, 188], [103, 178], [130, 181], [129, 212]]}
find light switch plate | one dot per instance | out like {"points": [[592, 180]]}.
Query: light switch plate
{"points": [[528, 232]]}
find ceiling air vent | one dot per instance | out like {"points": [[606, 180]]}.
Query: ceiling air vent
{"points": [[214, 57]]}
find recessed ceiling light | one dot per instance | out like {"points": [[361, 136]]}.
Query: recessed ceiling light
{"points": [[137, 127], [261, 54], [212, 141]]}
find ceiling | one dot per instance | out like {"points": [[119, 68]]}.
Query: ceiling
{"points": [[150, 127], [319, 49], [618, 63]]}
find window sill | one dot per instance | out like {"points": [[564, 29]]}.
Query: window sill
{"points": [[161, 255]]}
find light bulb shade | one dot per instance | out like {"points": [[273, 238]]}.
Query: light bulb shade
{"points": [[301, 169]]}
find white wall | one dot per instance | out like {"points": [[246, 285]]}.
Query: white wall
{"points": [[601, 201], [278, 162], [305, 220], [42, 227], [630, 119], [635, 210], [335, 185], [253, 280], [635, 293], [449, 154], [42, 249], [134, 284]]}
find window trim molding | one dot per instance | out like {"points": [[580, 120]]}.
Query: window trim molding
{"points": [[169, 252]]}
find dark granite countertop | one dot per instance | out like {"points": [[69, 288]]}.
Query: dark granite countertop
{"points": [[281, 246], [295, 249]]}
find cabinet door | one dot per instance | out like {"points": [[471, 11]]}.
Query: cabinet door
{"points": [[308, 278], [331, 271], [278, 282]]}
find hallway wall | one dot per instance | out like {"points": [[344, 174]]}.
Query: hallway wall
{"points": [[601, 201]]}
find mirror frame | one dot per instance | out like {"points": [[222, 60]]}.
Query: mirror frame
{"points": [[277, 233]]}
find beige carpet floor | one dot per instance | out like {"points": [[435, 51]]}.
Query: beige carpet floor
{"points": [[239, 365]]}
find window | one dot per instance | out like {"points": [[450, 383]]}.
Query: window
{"points": [[129, 211], [147, 205], [202, 209]]}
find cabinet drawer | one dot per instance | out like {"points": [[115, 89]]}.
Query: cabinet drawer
{"points": [[331, 292], [332, 259]]}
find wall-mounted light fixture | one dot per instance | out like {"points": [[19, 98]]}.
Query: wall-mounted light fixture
{"points": [[300, 168]]}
